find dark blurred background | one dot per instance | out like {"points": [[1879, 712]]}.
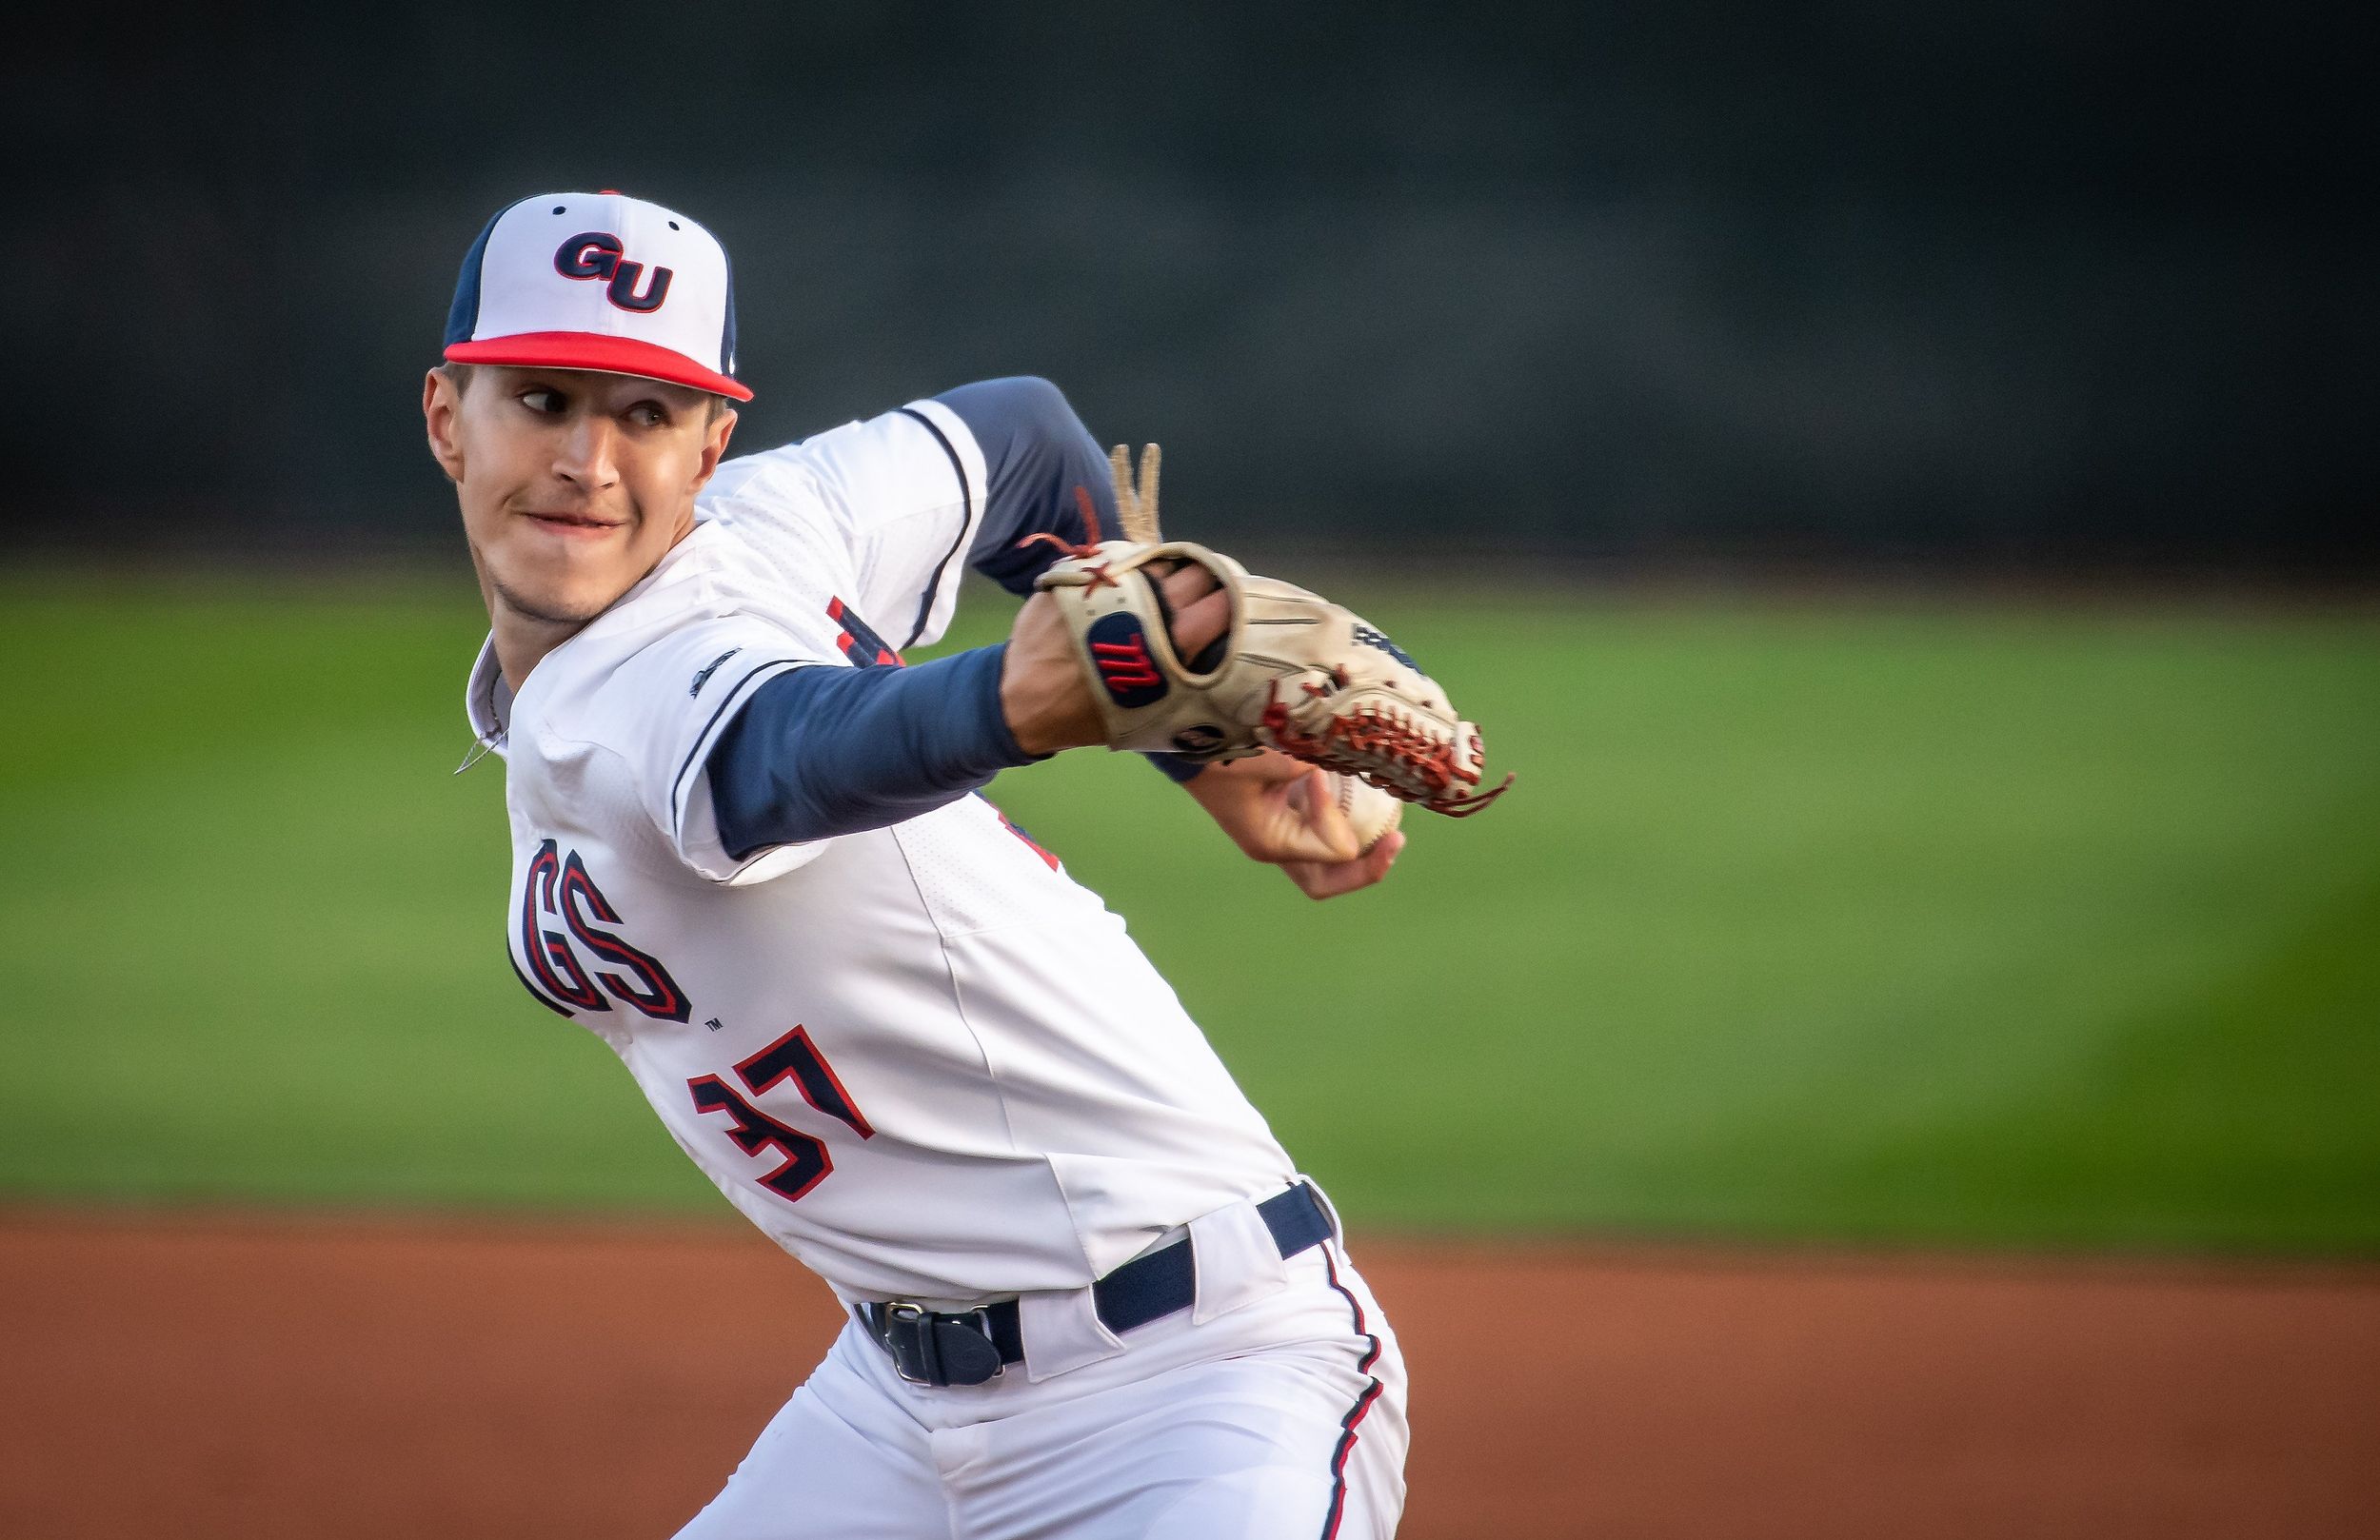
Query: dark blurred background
{"points": [[2033, 288]]}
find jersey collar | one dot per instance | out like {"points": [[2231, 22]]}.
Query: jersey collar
{"points": [[487, 702]]}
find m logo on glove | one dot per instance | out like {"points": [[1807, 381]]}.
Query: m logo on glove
{"points": [[1121, 650]]}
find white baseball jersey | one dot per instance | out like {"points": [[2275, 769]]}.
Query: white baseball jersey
{"points": [[920, 1057]]}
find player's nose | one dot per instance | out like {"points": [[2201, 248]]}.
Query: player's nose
{"points": [[587, 456]]}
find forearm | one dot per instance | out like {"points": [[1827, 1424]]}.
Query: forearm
{"points": [[819, 752]]}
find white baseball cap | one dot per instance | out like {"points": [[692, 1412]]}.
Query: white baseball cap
{"points": [[599, 281]]}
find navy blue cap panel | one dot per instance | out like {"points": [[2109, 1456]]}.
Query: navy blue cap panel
{"points": [[463, 316]]}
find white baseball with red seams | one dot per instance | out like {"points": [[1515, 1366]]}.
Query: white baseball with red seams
{"points": [[922, 1060], [1369, 812]]}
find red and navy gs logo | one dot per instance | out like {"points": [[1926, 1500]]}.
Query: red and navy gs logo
{"points": [[563, 913], [599, 254]]}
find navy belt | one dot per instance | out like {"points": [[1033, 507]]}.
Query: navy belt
{"points": [[931, 1347]]}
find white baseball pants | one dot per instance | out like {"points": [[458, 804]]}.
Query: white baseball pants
{"points": [[1283, 1416]]}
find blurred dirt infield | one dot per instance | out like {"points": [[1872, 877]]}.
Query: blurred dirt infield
{"points": [[205, 1377]]}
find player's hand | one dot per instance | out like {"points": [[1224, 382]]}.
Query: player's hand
{"points": [[1277, 811], [1043, 691]]}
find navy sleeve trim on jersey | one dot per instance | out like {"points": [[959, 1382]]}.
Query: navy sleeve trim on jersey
{"points": [[820, 752], [1036, 452], [966, 506], [677, 786]]}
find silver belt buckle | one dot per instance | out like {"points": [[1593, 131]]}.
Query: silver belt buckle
{"points": [[906, 1319]]}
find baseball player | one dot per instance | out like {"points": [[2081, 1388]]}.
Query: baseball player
{"points": [[1088, 1293]]}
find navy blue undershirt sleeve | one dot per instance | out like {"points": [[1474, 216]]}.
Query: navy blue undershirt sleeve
{"points": [[1036, 452], [1174, 767], [823, 751]]}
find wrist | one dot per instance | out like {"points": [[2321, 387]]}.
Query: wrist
{"points": [[1176, 769], [1036, 716], [999, 727]]}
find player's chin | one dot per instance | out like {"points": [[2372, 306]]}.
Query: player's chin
{"points": [[565, 588]]}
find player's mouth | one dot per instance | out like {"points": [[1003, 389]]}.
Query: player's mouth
{"points": [[573, 525]]}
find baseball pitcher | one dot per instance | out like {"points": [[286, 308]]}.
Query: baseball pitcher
{"points": [[1088, 1293]]}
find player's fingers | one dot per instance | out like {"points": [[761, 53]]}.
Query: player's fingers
{"points": [[1328, 881], [1276, 821], [1294, 841], [1199, 621], [1187, 581], [1291, 820], [1318, 829], [1184, 570]]}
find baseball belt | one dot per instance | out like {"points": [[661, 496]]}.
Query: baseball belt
{"points": [[944, 1347]]}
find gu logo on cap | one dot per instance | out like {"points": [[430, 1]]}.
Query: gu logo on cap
{"points": [[599, 281]]}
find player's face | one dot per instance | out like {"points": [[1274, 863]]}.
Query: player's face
{"points": [[573, 484]]}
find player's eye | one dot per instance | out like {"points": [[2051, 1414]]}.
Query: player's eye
{"points": [[542, 399], [649, 414]]}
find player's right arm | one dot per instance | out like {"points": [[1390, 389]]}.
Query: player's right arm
{"points": [[823, 751], [816, 757], [972, 473]]}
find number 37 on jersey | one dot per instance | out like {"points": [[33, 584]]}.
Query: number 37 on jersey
{"points": [[570, 935]]}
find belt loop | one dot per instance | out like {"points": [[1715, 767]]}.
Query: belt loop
{"points": [[1322, 1201], [1238, 1261], [1063, 1330]]}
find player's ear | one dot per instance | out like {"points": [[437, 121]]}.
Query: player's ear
{"points": [[714, 445], [441, 402]]}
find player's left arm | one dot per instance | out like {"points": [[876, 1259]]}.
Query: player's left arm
{"points": [[1278, 810]]}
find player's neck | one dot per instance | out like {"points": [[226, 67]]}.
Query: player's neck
{"points": [[522, 642], [523, 637]]}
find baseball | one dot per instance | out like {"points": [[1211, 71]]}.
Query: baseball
{"points": [[1370, 810]]}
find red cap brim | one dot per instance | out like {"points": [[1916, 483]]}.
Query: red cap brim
{"points": [[605, 355]]}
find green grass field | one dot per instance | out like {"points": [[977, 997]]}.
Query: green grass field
{"points": [[1865, 922]]}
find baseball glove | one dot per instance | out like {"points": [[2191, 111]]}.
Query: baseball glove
{"points": [[1293, 672]]}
